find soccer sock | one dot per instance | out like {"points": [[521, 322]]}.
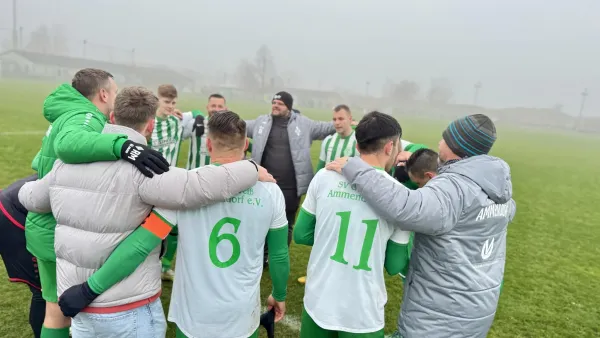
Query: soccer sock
{"points": [[55, 333], [167, 260], [37, 312]]}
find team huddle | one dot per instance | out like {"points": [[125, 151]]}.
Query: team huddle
{"points": [[109, 216]]}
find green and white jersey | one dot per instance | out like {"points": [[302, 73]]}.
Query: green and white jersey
{"points": [[198, 155], [404, 144], [335, 146], [168, 134], [216, 291], [345, 287]]}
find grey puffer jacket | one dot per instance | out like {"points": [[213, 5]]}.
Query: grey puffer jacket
{"points": [[97, 205], [460, 219], [302, 132]]}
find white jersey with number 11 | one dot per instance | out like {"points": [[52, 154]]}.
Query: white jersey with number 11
{"points": [[345, 287]]}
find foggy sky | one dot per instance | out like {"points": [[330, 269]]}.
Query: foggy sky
{"points": [[529, 53]]}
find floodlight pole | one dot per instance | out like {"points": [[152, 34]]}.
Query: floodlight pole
{"points": [[477, 87], [584, 95], [15, 36]]}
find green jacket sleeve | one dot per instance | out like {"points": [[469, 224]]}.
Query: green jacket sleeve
{"points": [[414, 147], [304, 230], [36, 161], [396, 258], [126, 258], [80, 140], [279, 261]]}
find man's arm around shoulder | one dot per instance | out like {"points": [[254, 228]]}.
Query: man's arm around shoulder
{"points": [[80, 140], [433, 210], [183, 189], [319, 129], [35, 195]]}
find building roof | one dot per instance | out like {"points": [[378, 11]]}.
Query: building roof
{"points": [[147, 73]]}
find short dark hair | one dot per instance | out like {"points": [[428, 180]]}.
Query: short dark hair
{"points": [[341, 107], [135, 106], [217, 96], [167, 90], [89, 81], [227, 129], [422, 161], [375, 130]]}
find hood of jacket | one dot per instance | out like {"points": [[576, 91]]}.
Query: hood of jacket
{"points": [[66, 99], [491, 173]]}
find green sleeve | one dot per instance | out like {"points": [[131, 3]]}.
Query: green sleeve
{"points": [[320, 166], [196, 113], [304, 229], [36, 161], [123, 261], [279, 261], [414, 147], [80, 140], [396, 258]]}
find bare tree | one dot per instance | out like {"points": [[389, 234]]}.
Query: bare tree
{"points": [[440, 91], [40, 40], [246, 76], [264, 65], [406, 90], [59, 40]]}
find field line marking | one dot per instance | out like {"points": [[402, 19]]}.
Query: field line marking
{"points": [[22, 132], [294, 323]]}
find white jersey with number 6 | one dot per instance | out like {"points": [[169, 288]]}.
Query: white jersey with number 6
{"points": [[216, 291], [345, 286]]}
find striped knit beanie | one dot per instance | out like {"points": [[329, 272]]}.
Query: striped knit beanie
{"points": [[470, 135]]}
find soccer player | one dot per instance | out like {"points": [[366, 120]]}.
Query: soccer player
{"points": [[343, 142], [21, 265], [169, 132], [345, 288], [77, 113], [198, 155], [422, 166], [216, 292]]}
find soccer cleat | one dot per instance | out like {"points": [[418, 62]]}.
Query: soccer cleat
{"points": [[168, 275], [302, 280], [267, 320]]}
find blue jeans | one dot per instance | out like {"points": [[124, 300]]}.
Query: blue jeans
{"points": [[146, 321]]}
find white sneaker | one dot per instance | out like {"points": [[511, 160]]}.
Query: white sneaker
{"points": [[168, 275]]}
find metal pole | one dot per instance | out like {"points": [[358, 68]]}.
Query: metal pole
{"points": [[15, 37], [584, 95], [477, 87]]}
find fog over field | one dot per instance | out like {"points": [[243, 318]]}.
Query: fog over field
{"points": [[526, 54]]}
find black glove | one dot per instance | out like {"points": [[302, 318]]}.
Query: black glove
{"points": [[400, 174], [267, 320], [75, 299], [143, 158], [199, 126]]}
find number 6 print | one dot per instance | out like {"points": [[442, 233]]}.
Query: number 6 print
{"points": [[215, 239]]}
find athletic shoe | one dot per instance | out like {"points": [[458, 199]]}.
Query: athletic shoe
{"points": [[168, 275], [302, 280]]}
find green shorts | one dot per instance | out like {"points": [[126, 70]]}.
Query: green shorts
{"points": [[310, 329], [47, 270]]}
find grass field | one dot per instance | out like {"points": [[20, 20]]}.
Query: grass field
{"points": [[552, 274]]}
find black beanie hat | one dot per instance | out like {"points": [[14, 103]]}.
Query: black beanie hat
{"points": [[286, 98], [470, 135]]}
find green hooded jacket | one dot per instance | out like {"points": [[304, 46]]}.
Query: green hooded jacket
{"points": [[74, 136]]}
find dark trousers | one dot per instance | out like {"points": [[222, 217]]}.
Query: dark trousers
{"points": [[291, 205]]}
